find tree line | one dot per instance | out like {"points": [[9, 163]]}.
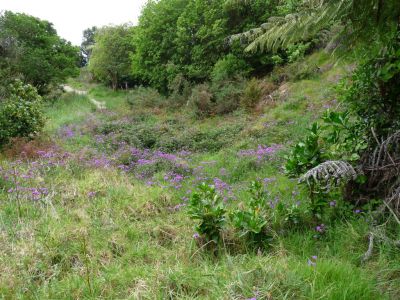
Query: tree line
{"points": [[181, 39]]}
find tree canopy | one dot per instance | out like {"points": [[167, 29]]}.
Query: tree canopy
{"points": [[32, 50], [187, 38], [88, 43], [110, 59]]}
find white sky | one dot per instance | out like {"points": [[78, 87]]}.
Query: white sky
{"points": [[71, 17]]}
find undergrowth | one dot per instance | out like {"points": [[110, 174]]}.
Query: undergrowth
{"points": [[102, 208]]}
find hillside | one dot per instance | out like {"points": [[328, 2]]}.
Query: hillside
{"points": [[96, 207]]}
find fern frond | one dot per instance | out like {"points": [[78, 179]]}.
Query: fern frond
{"points": [[317, 15], [330, 173]]}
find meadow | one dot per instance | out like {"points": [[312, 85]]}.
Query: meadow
{"points": [[96, 207]]}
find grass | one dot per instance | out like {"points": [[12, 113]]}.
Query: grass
{"points": [[101, 233], [71, 109]]}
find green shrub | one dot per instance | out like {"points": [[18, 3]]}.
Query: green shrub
{"points": [[306, 154], [296, 71], [251, 95], [252, 219], [228, 68], [146, 97], [207, 207], [210, 140], [227, 97], [202, 100], [175, 136], [339, 138], [180, 89], [53, 93], [21, 113], [372, 92], [297, 51], [302, 70]]}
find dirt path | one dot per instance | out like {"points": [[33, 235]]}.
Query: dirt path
{"points": [[98, 104]]}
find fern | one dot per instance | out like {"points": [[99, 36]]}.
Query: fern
{"points": [[360, 16], [330, 173]]}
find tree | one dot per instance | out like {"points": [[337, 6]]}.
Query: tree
{"points": [[88, 43], [34, 52], [155, 42], [186, 38], [110, 60]]}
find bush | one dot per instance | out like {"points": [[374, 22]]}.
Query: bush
{"points": [[251, 95], [180, 91], [305, 155], [221, 98], [210, 140], [228, 68], [26, 148], [207, 206], [202, 100], [146, 97], [227, 97], [168, 138], [372, 92], [251, 221], [297, 51], [53, 93], [21, 113], [296, 71]]}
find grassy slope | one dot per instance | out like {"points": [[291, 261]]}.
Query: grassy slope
{"points": [[126, 243]]}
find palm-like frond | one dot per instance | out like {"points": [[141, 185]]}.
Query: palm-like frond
{"points": [[316, 15], [330, 173]]}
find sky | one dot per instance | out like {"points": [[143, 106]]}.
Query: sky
{"points": [[71, 17]]}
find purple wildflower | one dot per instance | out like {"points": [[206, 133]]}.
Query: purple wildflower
{"points": [[320, 228], [36, 194], [313, 261], [268, 180], [92, 194], [178, 207], [261, 153]]}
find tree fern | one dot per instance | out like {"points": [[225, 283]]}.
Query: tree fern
{"points": [[359, 17]]}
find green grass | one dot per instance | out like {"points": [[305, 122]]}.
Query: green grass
{"points": [[114, 100], [126, 242], [70, 109]]}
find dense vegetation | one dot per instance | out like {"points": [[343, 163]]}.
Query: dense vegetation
{"points": [[247, 150], [32, 51]]}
